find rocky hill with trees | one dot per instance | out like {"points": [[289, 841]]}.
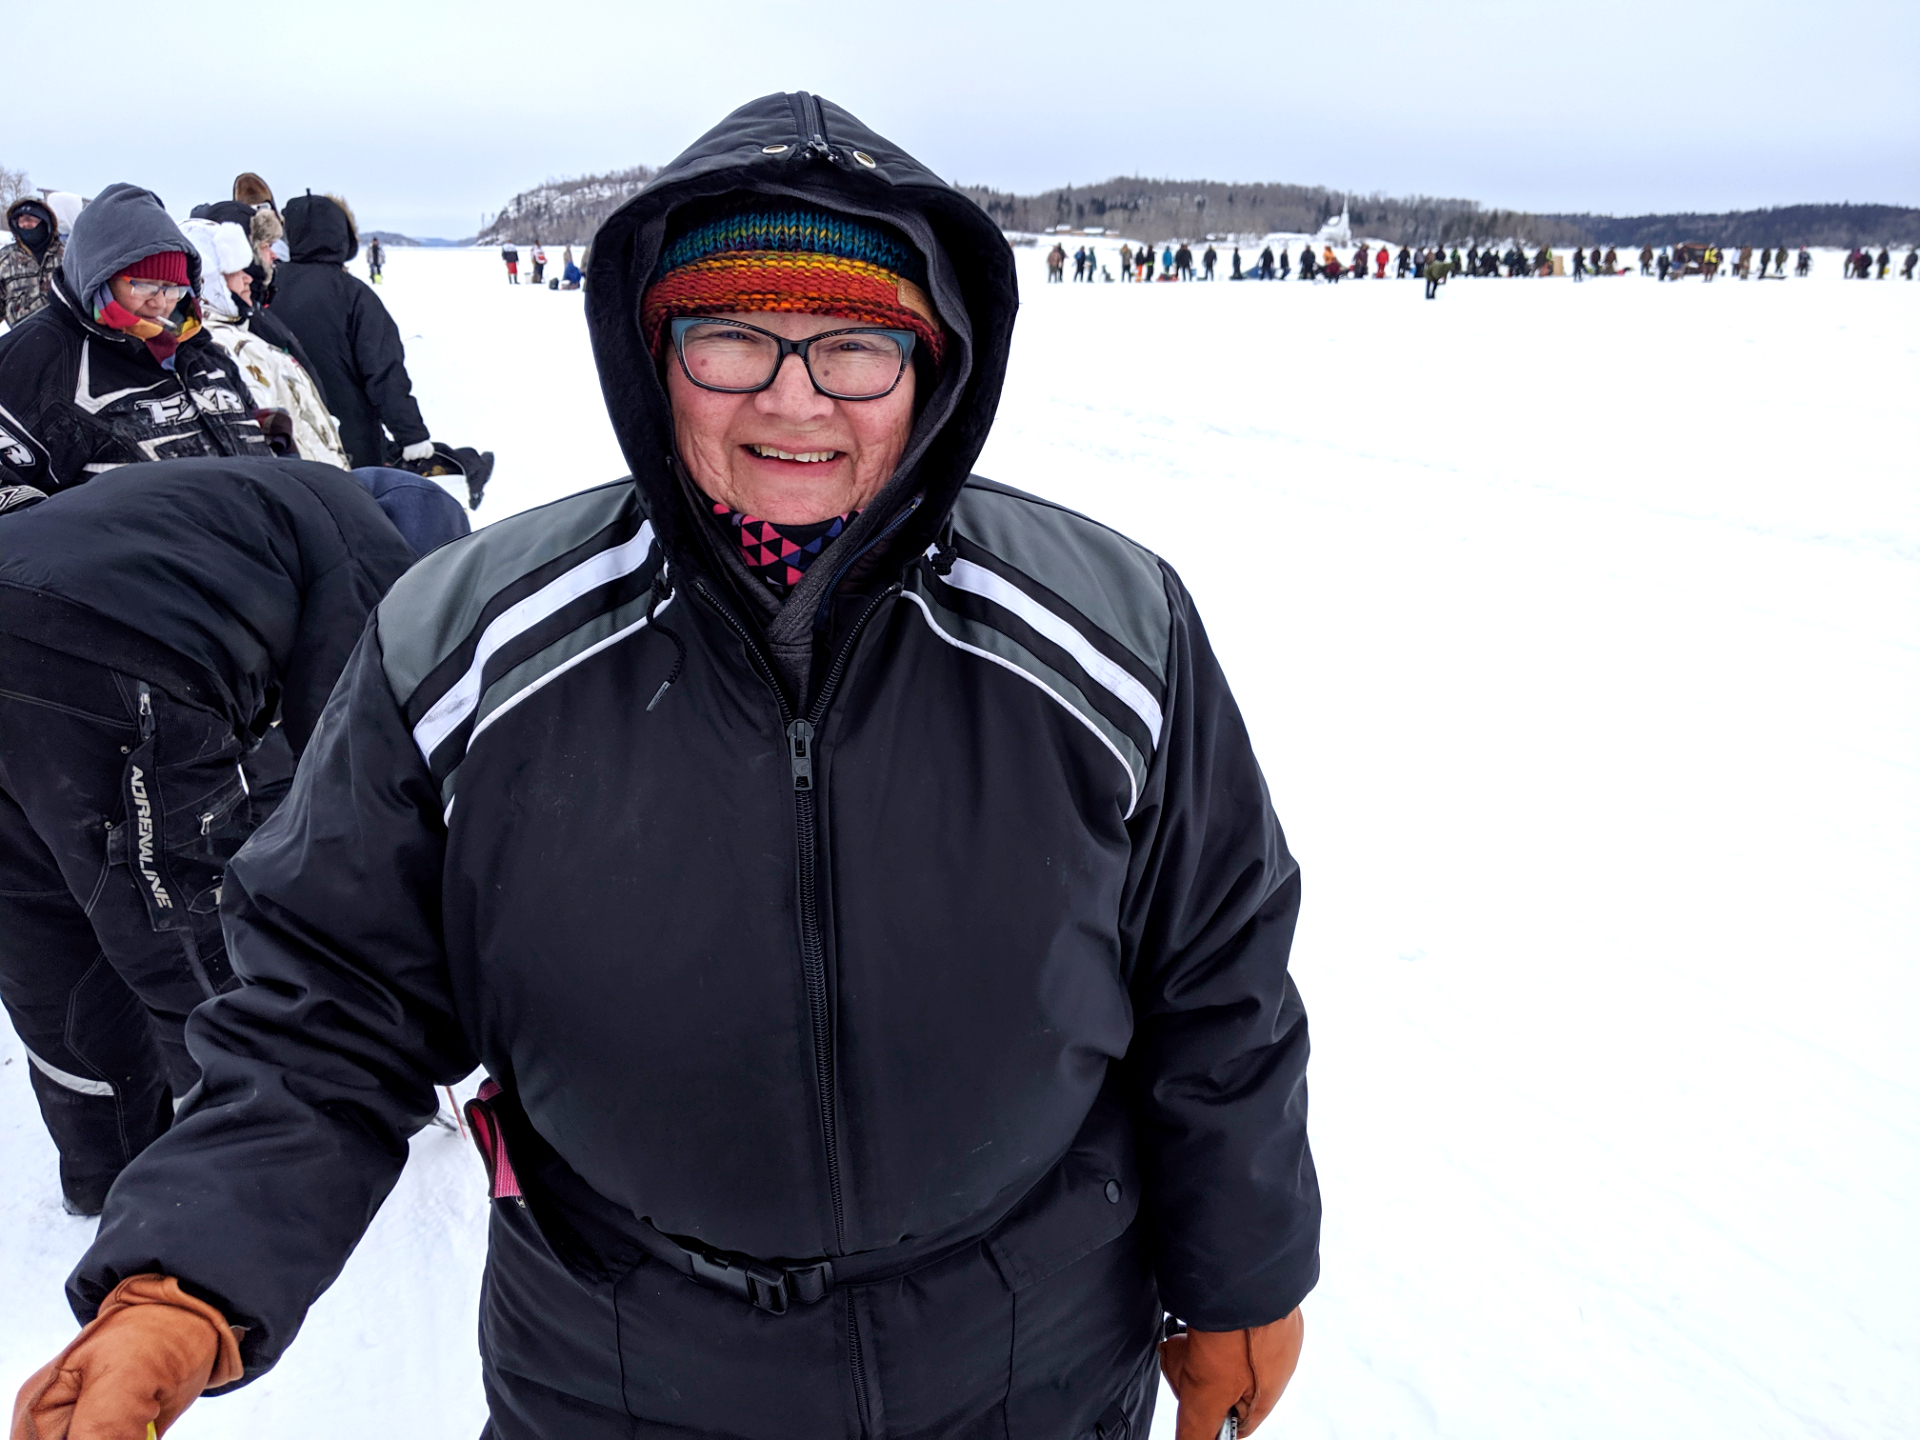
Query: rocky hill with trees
{"points": [[565, 212]]}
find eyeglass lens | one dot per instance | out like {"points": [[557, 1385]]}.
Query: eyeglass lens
{"points": [[855, 364]]}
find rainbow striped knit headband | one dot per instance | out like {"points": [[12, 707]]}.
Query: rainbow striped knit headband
{"points": [[794, 258]]}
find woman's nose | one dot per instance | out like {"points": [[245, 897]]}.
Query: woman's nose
{"points": [[792, 392]]}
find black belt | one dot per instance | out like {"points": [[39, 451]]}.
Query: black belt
{"points": [[771, 1286], [762, 1285]]}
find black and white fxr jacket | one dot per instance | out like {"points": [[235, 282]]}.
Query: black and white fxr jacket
{"points": [[980, 929], [78, 399]]}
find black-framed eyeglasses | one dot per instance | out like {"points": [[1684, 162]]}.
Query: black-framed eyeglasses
{"points": [[735, 358]]}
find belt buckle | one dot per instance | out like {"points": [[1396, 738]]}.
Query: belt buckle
{"points": [[761, 1286]]}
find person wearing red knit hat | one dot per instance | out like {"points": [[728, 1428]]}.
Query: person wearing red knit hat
{"points": [[149, 300], [115, 370]]}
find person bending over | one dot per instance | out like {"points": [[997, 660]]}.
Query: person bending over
{"points": [[169, 634]]}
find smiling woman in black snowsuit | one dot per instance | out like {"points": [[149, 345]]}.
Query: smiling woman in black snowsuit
{"points": [[853, 875]]}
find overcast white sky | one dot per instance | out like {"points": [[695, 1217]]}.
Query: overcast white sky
{"points": [[426, 115]]}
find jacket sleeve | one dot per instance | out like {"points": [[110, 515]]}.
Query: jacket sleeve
{"points": [[319, 1068], [21, 452], [333, 611], [351, 579], [45, 444], [263, 326], [1218, 1062], [381, 359]]}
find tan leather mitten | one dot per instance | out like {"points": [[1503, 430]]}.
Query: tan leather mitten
{"points": [[1245, 1371], [146, 1357]]}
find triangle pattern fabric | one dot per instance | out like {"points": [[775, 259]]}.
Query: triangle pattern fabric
{"points": [[779, 555]]}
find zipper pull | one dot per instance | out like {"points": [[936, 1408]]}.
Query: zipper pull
{"points": [[800, 752], [146, 711], [816, 147]]}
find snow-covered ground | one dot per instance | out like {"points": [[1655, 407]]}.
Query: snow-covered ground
{"points": [[1579, 631]]}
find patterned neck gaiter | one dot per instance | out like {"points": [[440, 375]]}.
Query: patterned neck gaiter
{"points": [[162, 337], [779, 555]]}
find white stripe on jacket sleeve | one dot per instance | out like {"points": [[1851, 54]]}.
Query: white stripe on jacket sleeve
{"points": [[450, 711], [980, 581]]}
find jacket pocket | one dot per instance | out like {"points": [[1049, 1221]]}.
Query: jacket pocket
{"points": [[1086, 1201], [1086, 1312]]}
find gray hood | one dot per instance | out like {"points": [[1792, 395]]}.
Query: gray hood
{"points": [[124, 224]]}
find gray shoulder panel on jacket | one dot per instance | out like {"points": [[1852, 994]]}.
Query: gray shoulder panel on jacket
{"points": [[1108, 578], [1066, 603], [434, 607]]}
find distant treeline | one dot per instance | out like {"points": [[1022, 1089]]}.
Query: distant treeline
{"points": [[569, 211], [1156, 210], [1841, 226]]}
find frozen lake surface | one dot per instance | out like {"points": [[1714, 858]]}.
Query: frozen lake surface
{"points": [[1578, 627]]}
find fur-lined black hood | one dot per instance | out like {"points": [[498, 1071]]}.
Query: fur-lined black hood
{"points": [[803, 147]]}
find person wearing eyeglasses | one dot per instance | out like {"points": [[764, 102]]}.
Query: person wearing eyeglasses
{"points": [[117, 370], [853, 876]]}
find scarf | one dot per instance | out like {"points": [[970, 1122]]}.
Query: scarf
{"points": [[779, 555], [162, 337]]}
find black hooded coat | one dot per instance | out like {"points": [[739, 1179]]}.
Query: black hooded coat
{"points": [[78, 398], [355, 347], [890, 1018]]}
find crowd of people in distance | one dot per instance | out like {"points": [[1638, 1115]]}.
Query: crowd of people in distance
{"points": [[1436, 264], [1862, 264], [1176, 262], [571, 277]]}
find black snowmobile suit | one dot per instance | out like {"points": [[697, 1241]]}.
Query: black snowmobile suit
{"points": [[887, 990], [78, 398], [154, 623], [356, 349]]}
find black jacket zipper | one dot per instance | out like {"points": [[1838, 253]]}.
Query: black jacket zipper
{"points": [[857, 1363], [813, 945], [815, 146]]}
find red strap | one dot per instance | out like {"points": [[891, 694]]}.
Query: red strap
{"points": [[492, 1144]]}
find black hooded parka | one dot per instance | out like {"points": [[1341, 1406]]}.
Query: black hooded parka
{"points": [[355, 348], [888, 990]]}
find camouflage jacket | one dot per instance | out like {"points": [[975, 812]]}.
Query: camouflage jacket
{"points": [[24, 280]]}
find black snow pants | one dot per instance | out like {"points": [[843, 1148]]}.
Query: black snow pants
{"points": [[119, 808], [951, 1351], [1044, 1328]]}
